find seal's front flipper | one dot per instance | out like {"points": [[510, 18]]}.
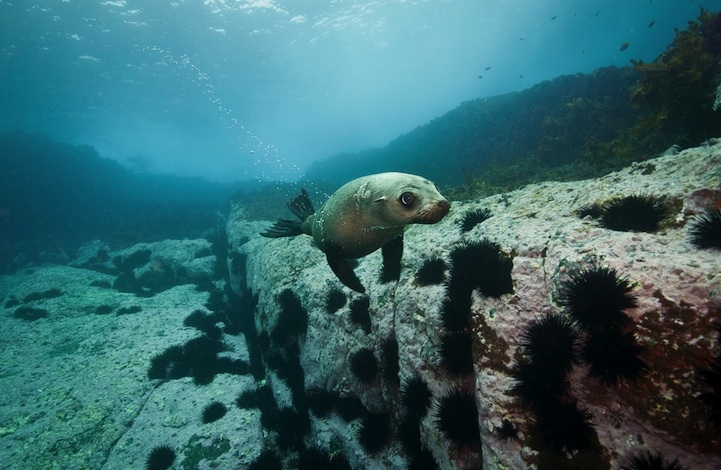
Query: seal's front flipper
{"points": [[392, 254], [283, 228], [342, 269]]}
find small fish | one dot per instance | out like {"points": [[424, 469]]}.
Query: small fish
{"points": [[650, 25], [487, 68], [480, 76], [553, 18], [624, 46], [597, 13]]}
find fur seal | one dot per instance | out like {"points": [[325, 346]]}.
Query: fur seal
{"points": [[362, 216]]}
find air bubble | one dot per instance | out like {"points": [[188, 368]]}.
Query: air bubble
{"points": [[246, 139]]}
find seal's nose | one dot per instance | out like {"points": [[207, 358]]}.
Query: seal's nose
{"points": [[444, 207], [434, 213]]}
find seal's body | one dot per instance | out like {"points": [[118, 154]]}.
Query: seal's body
{"points": [[363, 215]]}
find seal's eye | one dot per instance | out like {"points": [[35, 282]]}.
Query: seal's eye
{"points": [[407, 198]]}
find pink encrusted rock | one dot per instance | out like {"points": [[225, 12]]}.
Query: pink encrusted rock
{"points": [[701, 200]]}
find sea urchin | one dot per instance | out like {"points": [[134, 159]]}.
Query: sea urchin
{"points": [[431, 272], [364, 365], [415, 397], [550, 341], [213, 412], [635, 213], [457, 419], [595, 298], [612, 356], [474, 217], [456, 353], [706, 230], [374, 433], [335, 299], [160, 458], [647, 461]]}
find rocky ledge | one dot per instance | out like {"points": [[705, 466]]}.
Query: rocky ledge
{"points": [[528, 261]]}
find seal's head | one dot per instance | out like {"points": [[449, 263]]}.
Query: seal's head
{"points": [[412, 199]]}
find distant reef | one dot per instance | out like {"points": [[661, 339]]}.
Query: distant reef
{"points": [[550, 122], [572, 127], [55, 196]]}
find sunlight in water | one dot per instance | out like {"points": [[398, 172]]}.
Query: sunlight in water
{"points": [[267, 164]]}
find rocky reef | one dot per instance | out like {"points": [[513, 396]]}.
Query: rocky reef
{"points": [[639, 393], [562, 325]]}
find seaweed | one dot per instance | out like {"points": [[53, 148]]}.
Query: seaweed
{"points": [[677, 89]]}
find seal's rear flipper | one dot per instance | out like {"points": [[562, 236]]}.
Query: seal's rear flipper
{"points": [[392, 254], [283, 228], [301, 205], [342, 269]]}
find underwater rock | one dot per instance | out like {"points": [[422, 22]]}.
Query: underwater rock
{"points": [[154, 267], [76, 384], [94, 254], [674, 284]]}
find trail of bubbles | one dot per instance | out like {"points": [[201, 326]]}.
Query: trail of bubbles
{"points": [[264, 155]]}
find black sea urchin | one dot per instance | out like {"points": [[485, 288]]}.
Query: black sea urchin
{"points": [[314, 458], [563, 425], [423, 460], [292, 426], [474, 217], [335, 299], [292, 320], [551, 342], [350, 408], [457, 419], [456, 353], [247, 399], [267, 460], [359, 313], [321, 402], [202, 321], [415, 397], [409, 434], [48, 294], [200, 357], [612, 356], [374, 433], [364, 365], [536, 385], [389, 353], [213, 412], [481, 265], [456, 309], [431, 272], [705, 232], [647, 461], [636, 213], [160, 458], [595, 298], [30, 313]]}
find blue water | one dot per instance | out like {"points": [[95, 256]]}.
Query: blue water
{"points": [[125, 122], [248, 89]]}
